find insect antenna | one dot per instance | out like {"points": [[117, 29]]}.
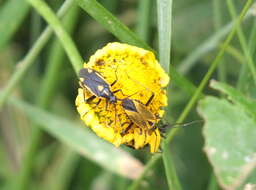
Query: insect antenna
{"points": [[163, 127]]}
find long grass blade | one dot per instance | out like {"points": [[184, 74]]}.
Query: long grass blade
{"points": [[29, 59], [196, 95], [65, 39], [45, 98], [164, 11], [124, 34], [244, 45], [242, 40], [208, 45], [82, 141], [111, 23]]}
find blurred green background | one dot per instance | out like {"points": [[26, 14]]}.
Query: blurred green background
{"points": [[43, 143]]}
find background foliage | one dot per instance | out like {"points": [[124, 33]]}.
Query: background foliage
{"points": [[43, 143]]}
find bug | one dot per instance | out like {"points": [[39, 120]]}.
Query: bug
{"points": [[97, 85], [140, 115], [93, 81], [137, 112]]}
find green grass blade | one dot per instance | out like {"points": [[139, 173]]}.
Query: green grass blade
{"points": [[45, 98], [65, 39], [243, 76], [217, 16], [29, 59], [207, 46], [252, 38], [149, 165], [242, 40], [12, 14], [144, 19], [83, 141], [111, 23], [199, 90], [170, 172], [104, 17], [210, 71], [236, 54], [164, 11]]}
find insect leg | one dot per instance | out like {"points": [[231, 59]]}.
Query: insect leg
{"points": [[119, 90], [113, 83], [150, 99], [106, 107], [155, 141], [127, 128], [90, 99]]}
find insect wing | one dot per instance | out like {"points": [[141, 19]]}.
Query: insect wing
{"points": [[136, 118], [128, 105], [89, 74], [94, 82], [144, 112], [92, 86], [132, 112]]}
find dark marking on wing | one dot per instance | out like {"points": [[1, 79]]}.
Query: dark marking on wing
{"points": [[129, 105]]}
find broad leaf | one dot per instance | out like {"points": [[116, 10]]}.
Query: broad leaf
{"points": [[230, 141]]}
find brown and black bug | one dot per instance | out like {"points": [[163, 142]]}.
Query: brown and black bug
{"points": [[139, 114]]}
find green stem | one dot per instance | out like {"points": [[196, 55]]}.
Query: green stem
{"points": [[164, 12], [144, 19], [29, 59], [242, 41], [46, 93], [65, 39], [170, 171], [217, 25], [111, 23], [236, 54], [148, 167], [208, 45], [210, 71], [243, 76], [118, 29], [197, 93]]}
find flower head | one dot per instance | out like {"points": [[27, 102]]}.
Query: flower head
{"points": [[135, 75]]}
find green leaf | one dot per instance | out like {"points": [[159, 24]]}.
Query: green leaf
{"points": [[12, 15], [248, 105], [170, 170], [82, 141], [229, 141]]}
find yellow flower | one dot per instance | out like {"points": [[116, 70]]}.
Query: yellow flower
{"points": [[139, 75]]}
